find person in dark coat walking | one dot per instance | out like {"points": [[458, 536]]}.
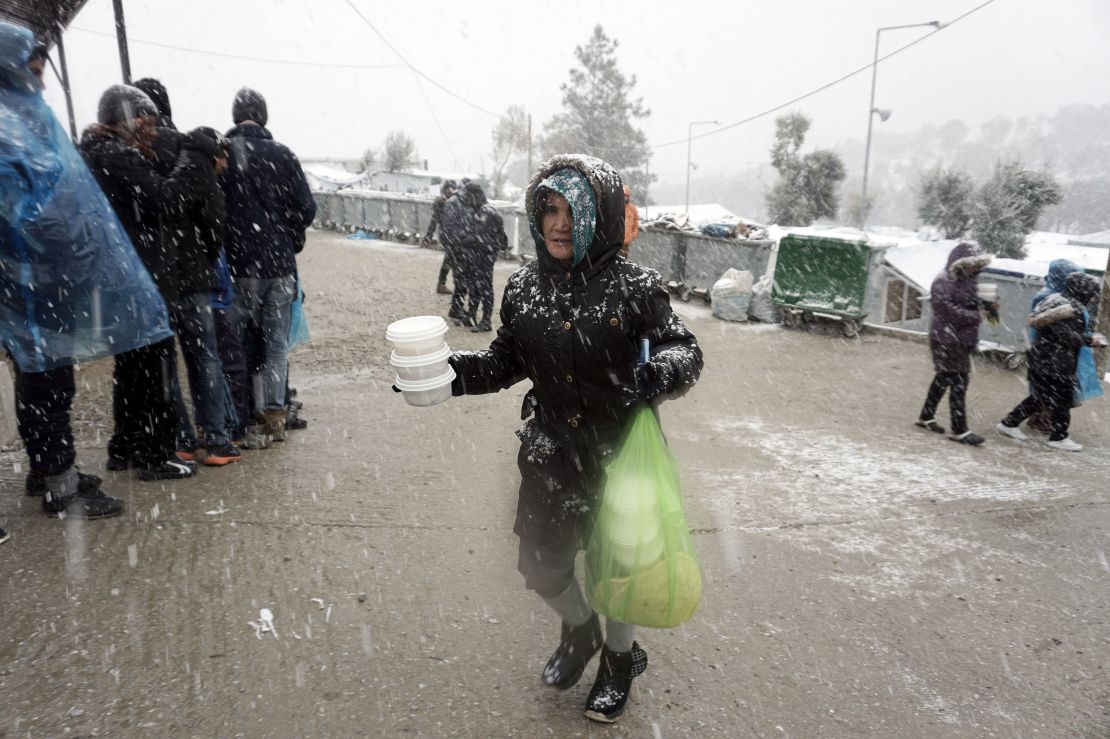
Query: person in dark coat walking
{"points": [[194, 215], [453, 225], [269, 207], [953, 335], [571, 323], [481, 238], [117, 150], [446, 190], [1062, 324], [167, 139]]}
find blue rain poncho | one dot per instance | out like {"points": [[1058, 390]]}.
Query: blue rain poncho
{"points": [[72, 288]]}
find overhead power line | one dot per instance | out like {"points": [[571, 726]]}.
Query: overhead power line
{"points": [[414, 69], [225, 55]]}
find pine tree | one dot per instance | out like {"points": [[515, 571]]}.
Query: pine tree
{"points": [[599, 113], [400, 151], [807, 186], [945, 200], [1009, 205]]}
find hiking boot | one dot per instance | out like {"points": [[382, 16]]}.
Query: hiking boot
{"points": [[615, 672], [4, 536], [1065, 445], [577, 646], [482, 326], [1012, 431], [255, 439], [116, 463], [36, 482], [220, 455], [173, 468], [968, 437], [65, 497], [441, 289], [275, 425], [930, 424]]}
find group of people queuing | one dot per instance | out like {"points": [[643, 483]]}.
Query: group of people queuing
{"points": [[205, 229], [472, 235], [1061, 333]]}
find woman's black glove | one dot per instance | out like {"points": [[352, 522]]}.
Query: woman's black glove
{"points": [[653, 380]]}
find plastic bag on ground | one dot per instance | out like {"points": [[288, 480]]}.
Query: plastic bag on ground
{"points": [[640, 563], [731, 295], [761, 308]]}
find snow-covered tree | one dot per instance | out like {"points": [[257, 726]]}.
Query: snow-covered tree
{"points": [[599, 113], [400, 151], [945, 200], [510, 136], [807, 186], [368, 159], [1008, 207]]}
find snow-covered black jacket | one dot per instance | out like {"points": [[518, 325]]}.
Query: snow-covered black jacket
{"points": [[194, 215], [575, 331], [269, 204], [475, 229], [135, 189], [1061, 331]]}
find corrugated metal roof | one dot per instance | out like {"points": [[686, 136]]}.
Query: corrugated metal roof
{"points": [[43, 17]]}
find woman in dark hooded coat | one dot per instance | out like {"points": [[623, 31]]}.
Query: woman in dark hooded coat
{"points": [[953, 335], [571, 322], [1061, 321]]}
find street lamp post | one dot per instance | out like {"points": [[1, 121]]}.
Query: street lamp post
{"points": [[872, 110], [689, 147]]}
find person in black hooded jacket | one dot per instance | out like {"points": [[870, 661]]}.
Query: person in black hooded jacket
{"points": [[167, 139], [479, 234], [572, 322], [269, 207], [1062, 324], [117, 150], [194, 213]]}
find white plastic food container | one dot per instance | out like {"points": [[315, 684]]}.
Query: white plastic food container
{"points": [[417, 336], [424, 367], [427, 392], [988, 291]]}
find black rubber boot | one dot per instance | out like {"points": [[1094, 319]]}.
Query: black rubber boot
{"points": [[577, 646], [36, 482], [614, 680], [66, 497]]}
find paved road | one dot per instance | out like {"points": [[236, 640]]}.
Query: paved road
{"points": [[863, 577]]}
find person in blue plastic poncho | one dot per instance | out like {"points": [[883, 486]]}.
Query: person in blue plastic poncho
{"points": [[72, 288]]}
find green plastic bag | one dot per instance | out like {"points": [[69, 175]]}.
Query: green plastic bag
{"points": [[640, 563]]}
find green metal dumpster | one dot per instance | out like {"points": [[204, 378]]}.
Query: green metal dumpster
{"points": [[822, 277]]}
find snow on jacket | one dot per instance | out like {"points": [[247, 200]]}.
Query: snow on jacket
{"points": [[269, 205], [135, 190], [473, 227], [194, 215], [956, 316], [1061, 323], [72, 287], [575, 331]]}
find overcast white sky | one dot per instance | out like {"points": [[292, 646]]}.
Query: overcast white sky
{"points": [[693, 59]]}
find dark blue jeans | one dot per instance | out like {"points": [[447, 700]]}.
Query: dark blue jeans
{"points": [[196, 333], [267, 303]]}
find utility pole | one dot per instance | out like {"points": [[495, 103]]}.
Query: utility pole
{"points": [[121, 39], [529, 147]]}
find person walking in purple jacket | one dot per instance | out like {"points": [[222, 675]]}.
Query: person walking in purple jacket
{"points": [[953, 335]]}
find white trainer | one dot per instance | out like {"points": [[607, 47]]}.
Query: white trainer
{"points": [[1065, 445], [1012, 431]]}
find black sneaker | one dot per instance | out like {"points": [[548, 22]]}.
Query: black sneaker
{"points": [[968, 437], [88, 504], [614, 680], [930, 424], [218, 456], [36, 482], [4, 536], [173, 468], [577, 646], [293, 422], [482, 326]]}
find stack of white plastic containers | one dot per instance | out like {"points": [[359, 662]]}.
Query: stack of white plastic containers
{"points": [[636, 523], [420, 357]]}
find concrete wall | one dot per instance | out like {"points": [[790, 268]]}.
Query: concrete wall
{"points": [[694, 259]]}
